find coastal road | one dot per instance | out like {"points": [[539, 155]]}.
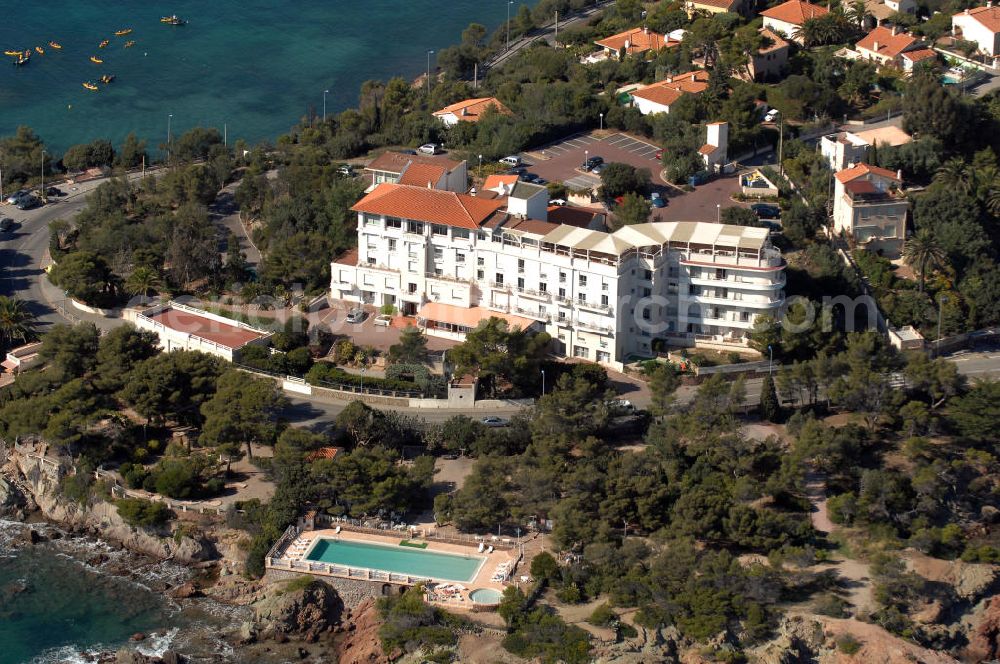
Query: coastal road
{"points": [[226, 215]]}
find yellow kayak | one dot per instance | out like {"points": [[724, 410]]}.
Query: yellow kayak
{"points": [[40, 50], [122, 33], [90, 86], [96, 60], [13, 54], [55, 45]]}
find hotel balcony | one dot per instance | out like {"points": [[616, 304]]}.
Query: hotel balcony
{"points": [[768, 259], [739, 282], [608, 330], [499, 285], [447, 278], [744, 303], [379, 267], [606, 309], [544, 296], [528, 313]]}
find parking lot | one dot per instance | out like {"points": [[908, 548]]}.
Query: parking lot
{"points": [[562, 161]]}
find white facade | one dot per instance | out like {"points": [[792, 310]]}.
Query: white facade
{"points": [[979, 25], [843, 149], [873, 218], [602, 297], [195, 329]]}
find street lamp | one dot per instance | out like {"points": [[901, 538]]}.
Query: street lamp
{"points": [[325, 93], [509, 3], [543, 382], [770, 359], [586, 158], [718, 213], [429, 54], [480, 167], [941, 301], [43, 175], [602, 121], [363, 369]]}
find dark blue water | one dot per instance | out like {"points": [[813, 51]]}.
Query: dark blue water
{"points": [[256, 66]]}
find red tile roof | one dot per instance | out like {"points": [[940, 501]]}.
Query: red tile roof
{"points": [[496, 181], [795, 12], [533, 226], [224, 334], [920, 54], [718, 4], [572, 216], [432, 206], [860, 170], [420, 175], [989, 17], [470, 110], [883, 42], [349, 257], [669, 90], [638, 40], [776, 41], [323, 453]]}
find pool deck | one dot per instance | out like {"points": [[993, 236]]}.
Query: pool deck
{"points": [[497, 568]]}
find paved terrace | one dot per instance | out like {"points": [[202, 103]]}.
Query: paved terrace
{"points": [[218, 332]]}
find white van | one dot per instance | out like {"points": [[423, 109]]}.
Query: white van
{"points": [[511, 161]]}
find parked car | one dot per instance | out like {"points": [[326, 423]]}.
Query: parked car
{"points": [[558, 201], [494, 421], [656, 200], [766, 211], [772, 115], [16, 196], [383, 320], [539, 180], [356, 316], [526, 177], [659, 155], [622, 406], [54, 191], [27, 202], [6, 224], [596, 170], [430, 148], [512, 161], [345, 170], [592, 163]]}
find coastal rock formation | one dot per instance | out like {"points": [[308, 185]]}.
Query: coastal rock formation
{"points": [[361, 643], [984, 635], [308, 609], [11, 500], [99, 518]]}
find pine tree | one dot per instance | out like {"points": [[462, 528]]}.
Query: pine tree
{"points": [[768, 400]]}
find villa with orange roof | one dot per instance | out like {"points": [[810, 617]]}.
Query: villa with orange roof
{"points": [[770, 59], [694, 7], [420, 170], [632, 42], [870, 208], [658, 97], [788, 18], [885, 46], [980, 25], [470, 110]]}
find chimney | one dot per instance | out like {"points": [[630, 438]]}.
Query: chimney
{"points": [[899, 174], [465, 110], [967, 12], [670, 79], [895, 31], [645, 30], [875, 45]]}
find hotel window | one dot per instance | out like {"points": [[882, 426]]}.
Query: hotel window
{"points": [[438, 253], [459, 257], [562, 315], [604, 286], [562, 277], [541, 309], [520, 265], [744, 316], [580, 351], [412, 288], [371, 260], [462, 233], [604, 300], [603, 356], [439, 229], [520, 283], [480, 274], [645, 314], [438, 272], [543, 287], [583, 280], [581, 298], [481, 235], [562, 292], [647, 275], [372, 220], [499, 278], [415, 227], [480, 260], [392, 244], [646, 292], [393, 222]]}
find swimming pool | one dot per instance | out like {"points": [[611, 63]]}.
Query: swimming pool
{"points": [[398, 559], [486, 596]]}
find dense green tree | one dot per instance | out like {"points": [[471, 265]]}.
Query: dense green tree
{"points": [[17, 323], [119, 352], [500, 357], [172, 386], [769, 408], [411, 348], [243, 410], [70, 351], [84, 276]]}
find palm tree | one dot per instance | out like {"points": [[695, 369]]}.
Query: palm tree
{"points": [[16, 322], [143, 280], [993, 198], [857, 14], [957, 174], [922, 251]]}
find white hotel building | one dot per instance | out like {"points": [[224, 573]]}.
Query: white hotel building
{"points": [[453, 260]]}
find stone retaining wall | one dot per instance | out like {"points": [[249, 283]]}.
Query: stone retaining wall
{"points": [[351, 591]]}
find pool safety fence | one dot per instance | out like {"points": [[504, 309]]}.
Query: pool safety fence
{"points": [[344, 571], [375, 527]]}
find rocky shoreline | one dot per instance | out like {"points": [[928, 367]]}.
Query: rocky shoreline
{"points": [[198, 567]]}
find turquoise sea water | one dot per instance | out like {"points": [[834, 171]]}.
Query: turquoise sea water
{"points": [[398, 559], [254, 65]]}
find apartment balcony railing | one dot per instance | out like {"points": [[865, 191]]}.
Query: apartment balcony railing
{"points": [[594, 327], [535, 294], [745, 303], [446, 277], [528, 313], [594, 306], [499, 285], [379, 266], [739, 282]]}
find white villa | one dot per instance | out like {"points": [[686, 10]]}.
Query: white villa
{"points": [[453, 260]]}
